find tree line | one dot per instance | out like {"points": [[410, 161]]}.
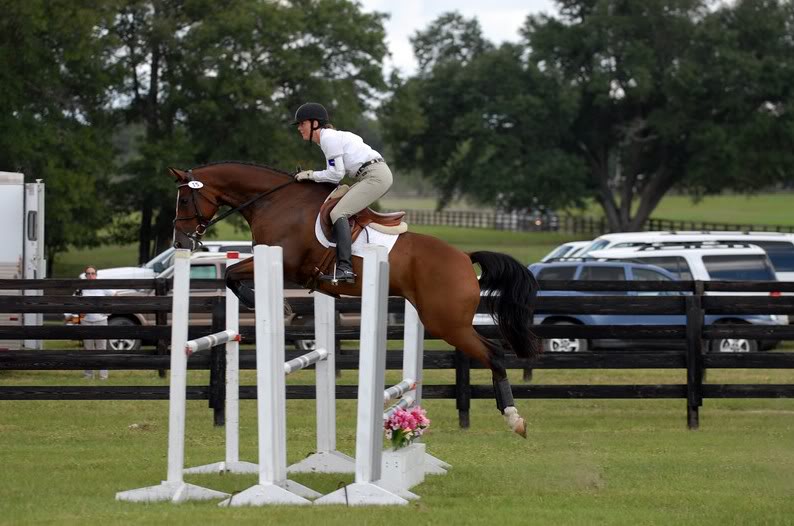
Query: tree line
{"points": [[614, 100]]}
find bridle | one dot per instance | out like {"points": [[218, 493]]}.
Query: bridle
{"points": [[203, 223]]}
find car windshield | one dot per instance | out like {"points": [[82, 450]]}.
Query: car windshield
{"points": [[598, 244], [739, 268], [163, 257]]}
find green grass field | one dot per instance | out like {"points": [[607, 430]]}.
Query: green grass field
{"points": [[585, 461]]}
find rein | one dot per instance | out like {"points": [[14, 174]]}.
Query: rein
{"points": [[203, 224]]}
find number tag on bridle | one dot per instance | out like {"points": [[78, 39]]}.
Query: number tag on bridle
{"points": [[196, 184]]}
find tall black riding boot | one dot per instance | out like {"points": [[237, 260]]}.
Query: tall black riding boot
{"points": [[344, 265]]}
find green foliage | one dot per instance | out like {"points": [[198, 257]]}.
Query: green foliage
{"points": [[53, 124], [618, 101]]}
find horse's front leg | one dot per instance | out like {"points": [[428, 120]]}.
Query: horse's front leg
{"points": [[236, 275]]}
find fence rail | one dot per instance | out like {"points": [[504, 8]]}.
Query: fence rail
{"points": [[585, 225], [690, 298]]}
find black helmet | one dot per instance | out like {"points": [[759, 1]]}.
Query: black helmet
{"points": [[311, 111]]}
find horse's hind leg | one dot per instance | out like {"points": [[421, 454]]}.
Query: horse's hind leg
{"points": [[489, 354], [502, 390]]}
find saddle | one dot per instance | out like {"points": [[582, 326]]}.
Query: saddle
{"points": [[388, 223]]}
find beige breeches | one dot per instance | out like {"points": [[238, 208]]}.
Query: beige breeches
{"points": [[374, 182]]}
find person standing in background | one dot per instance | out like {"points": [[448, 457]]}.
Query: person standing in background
{"points": [[94, 319]]}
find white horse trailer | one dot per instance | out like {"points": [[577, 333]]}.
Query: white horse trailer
{"points": [[22, 247]]}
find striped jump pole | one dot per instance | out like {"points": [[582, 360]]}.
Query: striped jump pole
{"points": [[174, 488], [273, 486], [232, 462], [369, 434]]}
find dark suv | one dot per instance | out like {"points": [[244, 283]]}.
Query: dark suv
{"points": [[589, 270]]}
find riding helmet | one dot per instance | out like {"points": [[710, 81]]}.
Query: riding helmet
{"points": [[311, 111]]}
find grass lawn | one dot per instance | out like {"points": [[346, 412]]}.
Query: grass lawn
{"points": [[584, 462]]}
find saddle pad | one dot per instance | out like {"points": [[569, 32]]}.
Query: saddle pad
{"points": [[368, 235]]}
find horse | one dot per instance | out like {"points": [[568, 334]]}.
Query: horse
{"points": [[438, 279]]}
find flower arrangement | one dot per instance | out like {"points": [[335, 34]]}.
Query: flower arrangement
{"points": [[405, 425]]}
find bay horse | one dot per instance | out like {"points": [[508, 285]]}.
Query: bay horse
{"points": [[438, 279]]}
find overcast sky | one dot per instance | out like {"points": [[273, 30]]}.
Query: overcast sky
{"points": [[500, 21]]}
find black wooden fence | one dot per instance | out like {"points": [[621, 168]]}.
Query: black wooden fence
{"points": [[692, 299]]}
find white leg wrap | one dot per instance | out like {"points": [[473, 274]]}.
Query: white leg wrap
{"points": [[512, 417]]}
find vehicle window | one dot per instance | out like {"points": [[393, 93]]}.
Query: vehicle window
{"points": [[598, 244], [203, 272], [243, 249], [675, 264], [628, 244], [603, 274], [739, 268], [644, 274], [557, 273], [781, 253], [163, 257], [559, 252]]}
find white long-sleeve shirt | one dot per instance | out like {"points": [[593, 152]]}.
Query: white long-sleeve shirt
{"points": [[345, 152]]}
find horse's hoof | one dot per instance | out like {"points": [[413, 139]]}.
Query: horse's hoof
{"points": [[521, 427]]}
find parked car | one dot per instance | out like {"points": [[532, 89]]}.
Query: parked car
{"points": [[588, 270], [152, 268], [779, 246], [566, 250], [204, 265]]}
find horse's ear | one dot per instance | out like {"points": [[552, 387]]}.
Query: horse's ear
{"points": [[179, 175]]}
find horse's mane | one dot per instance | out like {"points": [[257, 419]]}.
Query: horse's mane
{"points": [[247, 163]]}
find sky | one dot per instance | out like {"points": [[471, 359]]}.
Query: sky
{"points": [[500, 21]]}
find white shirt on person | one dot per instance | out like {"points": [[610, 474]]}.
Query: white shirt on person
{"points": [[96, 316], [345, 152]]}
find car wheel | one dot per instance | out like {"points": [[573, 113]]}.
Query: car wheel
{"points": [[734, 345], [565, 344], [128, 344], [305, 345]]}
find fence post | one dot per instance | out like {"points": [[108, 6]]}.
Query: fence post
{"points": [[161, 319], [694, 355], [462, 388], [217, 388]]}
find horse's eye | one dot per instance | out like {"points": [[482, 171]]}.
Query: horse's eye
{"points": [[183, 200]]}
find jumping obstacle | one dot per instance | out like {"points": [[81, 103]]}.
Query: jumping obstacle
{"points": [[372, 365], [174, 488], [273, 486], [232, 462]]}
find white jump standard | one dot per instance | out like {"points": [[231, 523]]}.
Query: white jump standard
{"points": [[372, 364], [232, 462], [174, 488], [273, 486]]}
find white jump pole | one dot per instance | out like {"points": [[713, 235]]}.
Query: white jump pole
{"points": [[232, 462], [273, 486], [174, 488], [369, 434], [326, 459], [413, 365]]}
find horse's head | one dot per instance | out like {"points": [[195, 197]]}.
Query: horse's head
{"points": [[195, 207]]}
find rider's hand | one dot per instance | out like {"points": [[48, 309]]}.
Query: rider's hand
{"points": [[305, 175]]}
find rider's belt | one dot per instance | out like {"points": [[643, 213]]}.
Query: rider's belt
{"points": [[373, 161]]}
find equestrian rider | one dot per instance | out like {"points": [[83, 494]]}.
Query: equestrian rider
{"points": [[345, 154]]}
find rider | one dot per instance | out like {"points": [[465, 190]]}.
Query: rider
{"points": [[345, 154]]}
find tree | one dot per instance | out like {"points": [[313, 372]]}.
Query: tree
{"points": [[53, 123], [481, 122], [671, 96], [214, 80], [621, 101]]}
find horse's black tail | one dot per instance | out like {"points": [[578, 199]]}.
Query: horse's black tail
{"points": [[509, 292]]}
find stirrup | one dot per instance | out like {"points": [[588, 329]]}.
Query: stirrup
{"points": [[345, 276]]}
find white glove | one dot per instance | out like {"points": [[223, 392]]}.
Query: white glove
{"points": [[305, 175]]}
